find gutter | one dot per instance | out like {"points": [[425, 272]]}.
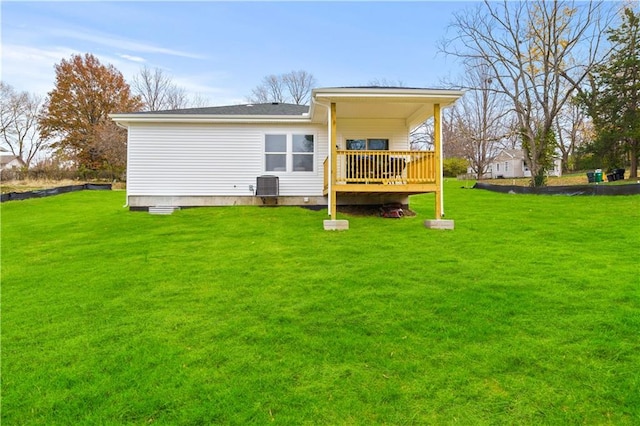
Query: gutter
{"points": [[176, 118]]}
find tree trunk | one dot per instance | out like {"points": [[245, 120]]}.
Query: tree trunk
{"points": [[633, 173]]}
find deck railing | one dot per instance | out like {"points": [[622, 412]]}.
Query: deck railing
{"points": [[385, 167]]}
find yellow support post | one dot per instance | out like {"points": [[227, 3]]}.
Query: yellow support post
{"points": [[437, 146], [334, 154]]}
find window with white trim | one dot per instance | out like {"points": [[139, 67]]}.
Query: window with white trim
{"points": [[275, 153], [302, 149], [289, 152]]}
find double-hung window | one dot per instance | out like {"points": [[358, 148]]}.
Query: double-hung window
{"points": [[302, 149], [289, 152], [275, 153]]}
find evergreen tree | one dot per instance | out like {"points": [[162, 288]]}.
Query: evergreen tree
{"points": [[614, 100]]}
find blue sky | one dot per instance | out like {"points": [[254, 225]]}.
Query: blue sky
{"points": [[221, 50]]}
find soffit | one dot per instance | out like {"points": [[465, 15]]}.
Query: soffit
{"points": [[414, 106]]}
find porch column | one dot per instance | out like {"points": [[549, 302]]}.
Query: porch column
{"points": [[333, 162], [438, 222], [437, 145]]}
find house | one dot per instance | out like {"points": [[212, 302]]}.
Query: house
{"points": [[349, 146], [10, 161], [511, 163]]}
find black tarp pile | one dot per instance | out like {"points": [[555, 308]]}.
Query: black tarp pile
{"points": [[393, 210], [629, 189], [11, 196]]}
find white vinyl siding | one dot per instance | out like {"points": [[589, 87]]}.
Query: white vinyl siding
{"points": [[213, 159], [393, 129], [289, 152]]}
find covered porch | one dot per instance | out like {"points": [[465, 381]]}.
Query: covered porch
{"points": [[406, 172], [369, 148]]}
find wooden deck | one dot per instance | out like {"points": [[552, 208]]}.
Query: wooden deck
{"points": [[405, 172]]}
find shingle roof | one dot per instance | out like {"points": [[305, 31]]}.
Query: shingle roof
{"points": [[380, 87], [274, 108]]}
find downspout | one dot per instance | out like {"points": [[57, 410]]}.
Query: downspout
{"points": [[329, 155], [441, 171]]}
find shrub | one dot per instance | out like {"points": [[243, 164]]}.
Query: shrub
{"points": [[454, 166]]}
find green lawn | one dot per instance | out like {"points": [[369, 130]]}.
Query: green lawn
{"points": [[527, 313]]}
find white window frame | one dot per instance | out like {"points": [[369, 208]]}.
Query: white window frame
{"points": [[366, 141], [289, 152], [312, 153], [266, 153]]}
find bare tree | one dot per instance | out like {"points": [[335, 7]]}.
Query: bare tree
{"points": [[383, 82], [157, 90], [573, 129], [538, 54], [19, 112], [421, 138], [270, 90], [480, 118], [110, 143], [177, 98], [199, 101], [299, 84], [294, 87]]}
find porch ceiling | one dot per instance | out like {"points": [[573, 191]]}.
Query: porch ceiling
{"points": [[412, 105]]}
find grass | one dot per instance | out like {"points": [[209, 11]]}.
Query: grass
{"points": [[527, 313]]}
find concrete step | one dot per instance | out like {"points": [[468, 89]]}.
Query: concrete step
{"points": [[162, 209]]}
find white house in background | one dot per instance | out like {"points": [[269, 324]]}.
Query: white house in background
{"points": [[511, 163], [9, 161], [349, 146]]}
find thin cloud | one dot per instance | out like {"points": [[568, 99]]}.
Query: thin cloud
{"points": [[31, 68], [133, 58], [122, 44]]}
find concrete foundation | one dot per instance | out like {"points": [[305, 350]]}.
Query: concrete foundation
{"points": [[336, 225], [136, 201], [212, 201], [438, 224]]}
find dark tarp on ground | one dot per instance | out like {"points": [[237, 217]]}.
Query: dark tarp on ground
{"points": [[630, 189], [11, 196]]}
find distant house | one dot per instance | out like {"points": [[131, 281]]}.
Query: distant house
{"points": [[10, 161], [511, 163], [349, 146]]}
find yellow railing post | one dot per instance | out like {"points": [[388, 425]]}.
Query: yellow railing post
{"points": [[385, 167]]}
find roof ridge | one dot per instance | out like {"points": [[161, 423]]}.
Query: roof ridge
{"points": [[267, 108]]}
